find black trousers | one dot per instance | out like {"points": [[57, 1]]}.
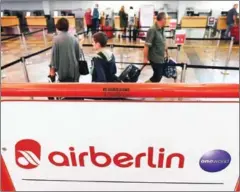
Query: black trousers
{"points": [[89, 28], [95, 25], [158, 70], [67, 80]]}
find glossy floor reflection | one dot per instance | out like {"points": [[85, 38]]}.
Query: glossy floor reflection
{"points": [[193, 52]]}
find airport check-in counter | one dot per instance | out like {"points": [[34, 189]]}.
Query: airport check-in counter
{"points": [[34, 22], [71, 20], [10, 24], [117, 21], [222, 22], [194, 22]]}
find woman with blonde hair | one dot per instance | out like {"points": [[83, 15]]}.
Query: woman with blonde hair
{"points": [[123, 19]]}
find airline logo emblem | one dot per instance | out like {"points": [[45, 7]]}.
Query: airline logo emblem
{"points": [[27, 153]]}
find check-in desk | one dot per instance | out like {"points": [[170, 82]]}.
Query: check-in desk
{"points": [[222, 22], [71, 20], [10, 24], [117, 21], [36, 22], [39, 21], [194, 22]]}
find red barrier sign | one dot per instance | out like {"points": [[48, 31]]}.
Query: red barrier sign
{"points": [[180, 37]]}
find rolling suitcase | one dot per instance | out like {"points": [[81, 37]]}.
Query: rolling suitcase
{"points": [[130, 74], [235, 33]]}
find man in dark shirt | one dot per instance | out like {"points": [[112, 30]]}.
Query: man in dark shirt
{"points": [[231, 19]]}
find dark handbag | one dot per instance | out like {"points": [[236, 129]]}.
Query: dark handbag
{"points": [[83, 66], [130, 74], [170, 70]]}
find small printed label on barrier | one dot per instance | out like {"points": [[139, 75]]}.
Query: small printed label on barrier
{"points": [[180, 37], [116, 92]]}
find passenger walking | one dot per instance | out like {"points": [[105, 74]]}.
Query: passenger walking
{"points": [[103, 64], [65, 54], [231, 19], [95, 19], [155, 48], [88, 19], [123, 19], [131, 17]]}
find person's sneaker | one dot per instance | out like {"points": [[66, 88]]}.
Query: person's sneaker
{"points": [[148, 81]]}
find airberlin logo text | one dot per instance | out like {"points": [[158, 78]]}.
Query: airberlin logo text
{"points": [[151, 157]]}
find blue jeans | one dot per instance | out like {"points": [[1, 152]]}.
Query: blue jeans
{"points": [[228, 30]]}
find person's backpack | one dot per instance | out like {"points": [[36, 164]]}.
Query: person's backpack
{"points": [[107, 69]]}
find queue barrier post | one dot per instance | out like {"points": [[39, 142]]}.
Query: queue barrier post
{"points": [[228, 56], [209, 32], [19, 32], [121, 59], [26, 76], [217, 47], [111, 47], [173, 33], [178, 51], [25, 72], [24, 42], [183, 74], [44, 37]]}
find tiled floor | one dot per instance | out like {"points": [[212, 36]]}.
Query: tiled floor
{"points": [[193, 52]]}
